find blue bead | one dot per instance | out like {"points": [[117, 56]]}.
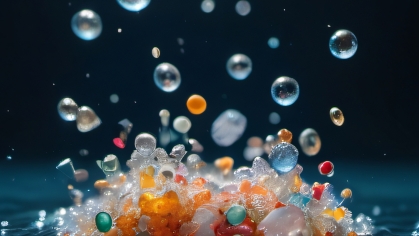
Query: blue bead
{"points": [[236, 214], [103, 222]]}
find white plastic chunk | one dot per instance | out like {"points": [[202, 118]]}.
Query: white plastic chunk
{"points": [[228, 127]]}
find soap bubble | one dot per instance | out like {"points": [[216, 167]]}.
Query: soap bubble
{"points": [[114, 98], [134, 5], [67, 109], [343, 44], [274, 118], [310, 142], [273, 42], [167, 77], [207, 6], [87, 119], [86, 24], [239, 66], [283, 157], [228, 127], [243, 7], [285, 91]]}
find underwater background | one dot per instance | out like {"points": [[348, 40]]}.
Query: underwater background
{"points": [[375, 152]]}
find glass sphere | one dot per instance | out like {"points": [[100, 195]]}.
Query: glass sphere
{"points": [[343, 44], [145, 144], [283, 157], [310, 142], [133, 5], [273, 42], [239, 66], [86, 24], [285, 91], [67, 109], [243, 7], [207, 6], [167, 77]]}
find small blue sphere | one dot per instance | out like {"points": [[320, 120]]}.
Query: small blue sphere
{"points": [[285, 91], [283, 157], [236, 214], [273, 42], [86, 24], [343, 44]]}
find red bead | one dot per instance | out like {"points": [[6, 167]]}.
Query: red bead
{"points": [[181, 180], [318, 191], [118, 142], [246, 228], [326, 167]]}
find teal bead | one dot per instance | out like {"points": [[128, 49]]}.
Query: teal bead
{"points": [[103, 222], [236, 214]]}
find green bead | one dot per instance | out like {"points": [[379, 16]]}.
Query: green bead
{"points": [[103, 222], [236, 214]]}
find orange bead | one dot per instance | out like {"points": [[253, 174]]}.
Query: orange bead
{"points": [[328, 234], [199, 182], [339, 213], [112, 232], [146, 181], [245, 186], [196, 104], [352, 233], [279, 204], [201, 198], [99, 184], [258, 190], [127, 223], [284, 135], [225, 164]]}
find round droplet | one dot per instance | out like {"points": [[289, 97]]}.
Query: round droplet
{"points": [[337, 116], [155, 52], [67, 109], [273, 42], [285, 91], [114, 98], [207, 6], [196, 104], [284, 135], [87, 119], [239, 66], [326, 168], [343, 44], [236, 214], [86, 24], [103, 222], [133, 5], [228, 127], [283, 157], [182, 124], [274, 118], [346, 193], [167, 77], [145, 144], [243, 7], [310, 142]]}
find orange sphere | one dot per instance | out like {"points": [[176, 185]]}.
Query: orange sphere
{"points": [[196, 104]]}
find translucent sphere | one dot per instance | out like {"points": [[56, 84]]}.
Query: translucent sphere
{"points": [[336, 115], [167, 77], [86, 24], [274, 118], [114, 98], [343, 44], [273, 42], [207, 6], [145, 144], [67, 109], [133, 5], [228, 127], [310, 142], [243, 7], [285, 91], [182, 124], [239, 66], [283, 157]]}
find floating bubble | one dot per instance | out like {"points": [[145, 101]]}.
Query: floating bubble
{"points": [[273, 42], [228, 127], [310, 142], [285, 91], [182, 124], [274, 118], [86, 24], [67, 109], [114, 98], [87, 119], [239, 66], [167, 77], [134, 5], [283, 157], [207, 6], [155, 52], [243, 7], [145, 144], [343, 44], [337, 116], [196, 104], [376, 210]]}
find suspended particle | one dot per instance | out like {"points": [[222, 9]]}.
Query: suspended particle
{"points": [[326, 168], [167, 77], [83, 152], [255, 142], [207, 6], [155, 52], [180, 41], [285, 91], [270, 142], [228, 127], [236, 214], [9, 158], [182, 124], [376, 210], [343, 44], [243, 7], [224, 164], [337, 116], [284, 135], [196, 146], [124, 128], [194, 161], [145, 144], [86, 24], [346, 193], [67, 109], [274, 118], [250, 153], [196, 104], [87, 119], [283, 157], [239, 66], [310, 142], [110, 165], [133, 5], [103, 222], [4, 223], [273, 42], [81, 175], [114, 98], [66, 167]]}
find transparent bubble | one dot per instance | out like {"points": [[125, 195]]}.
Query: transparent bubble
{"points": [[67, 109], [274, 118], [343, 44], [207, 6], [133, 5], [283, 157], [86, 24], [239, 66], [337, 116], [243, 7], [114, 98], [145, 144], [273, 42], [285, 91], [87, 119], [310, 142], [228, 127], [167, 77]]}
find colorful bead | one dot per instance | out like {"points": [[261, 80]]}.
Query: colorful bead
{"points": [[103, 222], [236, 214], [346, 193], [326, 167], [284, 135]]}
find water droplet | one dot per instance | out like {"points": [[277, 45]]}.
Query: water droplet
{"points": [[67, 109], [228, 127], [87, 119], [134, 5], [145, 144], [285, 91], [167, 77], [273, 42], [155, 52], [283, 157], [310, 142], [337, 116], [239, 66], [207, 6], [343, 44], [86, 24], [243, 7]]}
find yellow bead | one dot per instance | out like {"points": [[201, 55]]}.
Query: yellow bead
{"points": [[338, 214], [352, 233], [297, 184], [346, 193], [146, 181], [328, 211]]}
